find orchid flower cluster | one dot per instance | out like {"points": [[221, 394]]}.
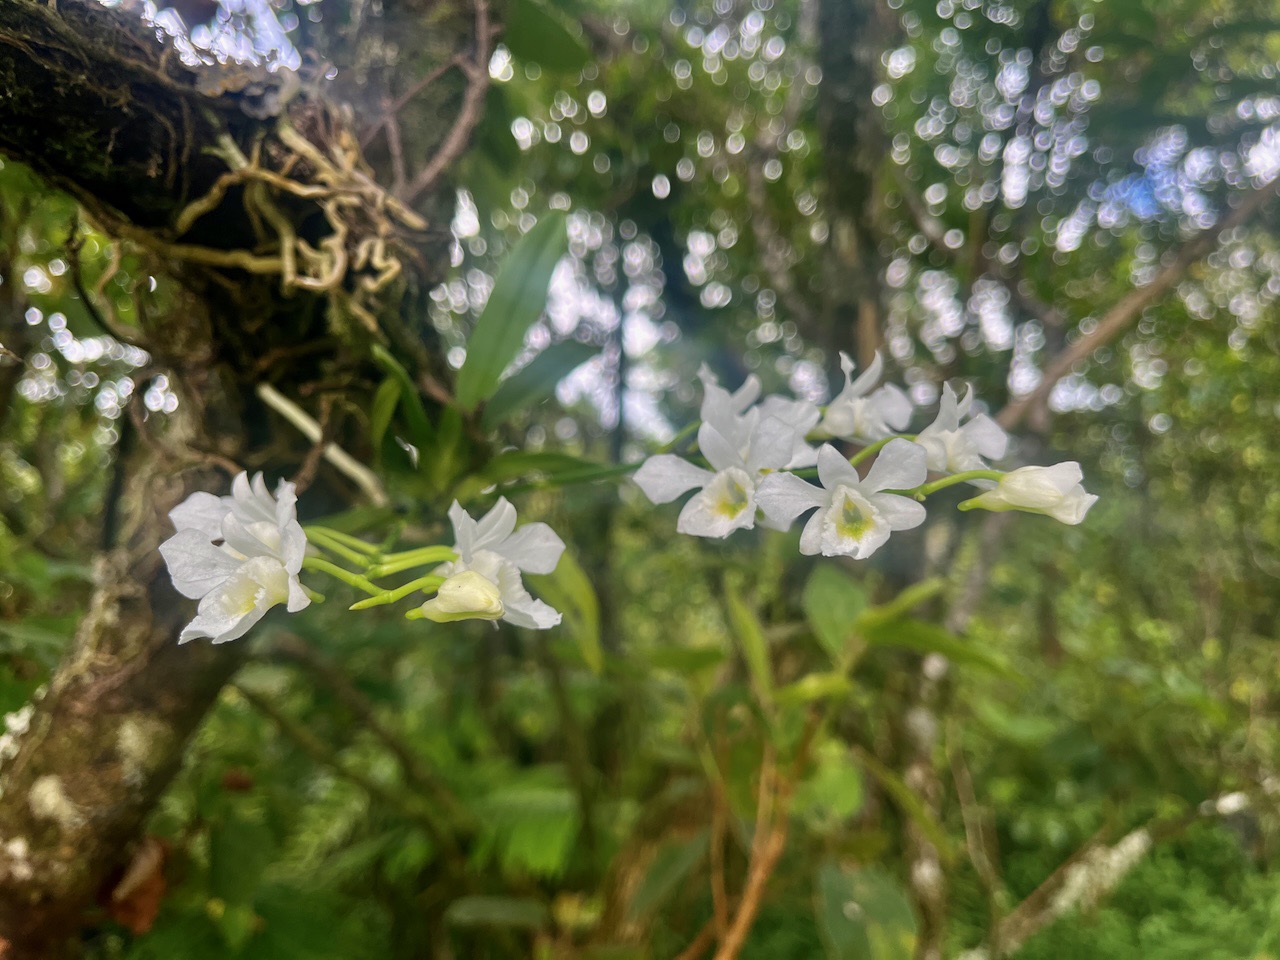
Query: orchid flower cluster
{"points": [[242, 554], [758, 454]]}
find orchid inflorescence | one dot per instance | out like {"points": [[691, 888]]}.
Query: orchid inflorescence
{"points": [[242, 554], [755, 454]]}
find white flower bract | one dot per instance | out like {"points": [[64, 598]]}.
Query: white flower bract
{"points": [[855, 516], [493, 549], [239, 555], [1054, 491], [862, 412], [954, 447]]}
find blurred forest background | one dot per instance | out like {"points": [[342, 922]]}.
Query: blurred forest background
{"points": [[1063, 744]]}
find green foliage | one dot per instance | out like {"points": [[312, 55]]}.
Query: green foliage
{"points": [[516, 301]]}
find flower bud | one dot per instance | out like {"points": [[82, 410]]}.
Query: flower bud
{"points": [[1053, 491], [465, 596]]}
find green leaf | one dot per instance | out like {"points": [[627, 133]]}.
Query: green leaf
{"points": [[670, 868], [415, 413], [385, 401], [545, 37], [832, 603], [922, 637], [521, 912], [863, 915], [533, 384], [518, 298], [833, 791], [569, 590], [515, 464], [908, 802], [750, 636], [815, 686]]}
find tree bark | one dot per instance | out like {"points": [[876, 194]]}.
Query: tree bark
{"points": [[253, 189]]}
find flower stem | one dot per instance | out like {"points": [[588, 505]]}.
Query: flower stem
{"points": [[685, 433], [398, 562], [320, 538], [926, 489], [426, 583], [340, 573], [873, 448], [355, 543]]}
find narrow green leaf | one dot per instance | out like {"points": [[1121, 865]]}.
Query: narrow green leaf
{"points": [[750, 635], [569, 590], [385, 401], [815, 686], [415, 413], [518, 298], [533, 384], [832, 603], [515, 464], [923, 637], [539, 34], [863, 914], [908, 802]]}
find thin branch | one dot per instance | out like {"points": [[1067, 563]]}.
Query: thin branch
{"points": [[357, 472], [1130, 307], [469, 115], [773, 808]]}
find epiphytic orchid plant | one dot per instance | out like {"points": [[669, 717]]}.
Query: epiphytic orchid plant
{"points": [[244, 553]]}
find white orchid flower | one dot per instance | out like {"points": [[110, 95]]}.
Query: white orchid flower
{"points": [[1054, 491], [861, 412], [239, 555], [736, 415], [801, 416], [954, 447], [726, 498], [492, 549], [854, 516], [731, 414]]}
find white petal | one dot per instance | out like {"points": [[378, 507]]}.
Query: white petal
{"points": [[200, 511], [535, 547], [1073, 507], [772, 443], [665, 477], [241, 489], [724, 505], [811, 536], [784, 496], [834, 469], [900, 465], [719, 451], [988, 436], [522, 610], [195, 565], [286, 502], [464, 530], [869, 377], [228, 611], [298, 598], [293, 546], [747, 394], [894, 407], [495, 526], [901, 513]]}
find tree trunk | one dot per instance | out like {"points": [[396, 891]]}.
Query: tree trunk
{"points": [[227, 176]]}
